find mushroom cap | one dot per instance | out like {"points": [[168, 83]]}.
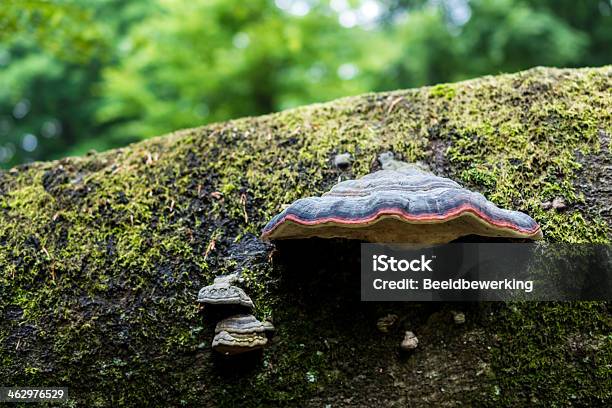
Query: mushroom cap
{"points": [[405, 204], [385, 323], [241, 324], [410, 341], [342, 160], [268, 326], [458, 317], [239, 334], [222, 292]]}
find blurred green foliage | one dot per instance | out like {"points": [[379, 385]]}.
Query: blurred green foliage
{"points": [[80, 75]]}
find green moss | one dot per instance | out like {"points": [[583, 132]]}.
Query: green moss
{"points": [[483, 177], [104, 254], [445, 91], [555, 359]]}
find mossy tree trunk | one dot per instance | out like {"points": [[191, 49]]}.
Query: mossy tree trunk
{"points": [[101, 257]]}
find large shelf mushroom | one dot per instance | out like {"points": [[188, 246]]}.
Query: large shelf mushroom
{"points": [[400, 203]]}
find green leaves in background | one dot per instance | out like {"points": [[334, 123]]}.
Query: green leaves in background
{"points": [[80, 75]]}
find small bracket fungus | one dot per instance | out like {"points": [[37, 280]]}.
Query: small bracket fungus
{"points": [[384, 324], [410, 341], [222, 292], [558, 203], [268, 328], [342, 161], [239, 334], [458, 317], [400, 203]]}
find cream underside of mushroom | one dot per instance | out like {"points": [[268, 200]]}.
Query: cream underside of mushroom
{"points": [[395, 229], [236, 343]]}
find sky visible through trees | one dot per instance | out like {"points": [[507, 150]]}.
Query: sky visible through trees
{"points": [[81, 75]]}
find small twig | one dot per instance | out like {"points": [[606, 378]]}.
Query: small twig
{"points": [[50, 259], [243, 201], [394, 103], [209, 248]]}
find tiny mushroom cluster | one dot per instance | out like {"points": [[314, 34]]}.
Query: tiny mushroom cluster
{"points": [[238, 331]]}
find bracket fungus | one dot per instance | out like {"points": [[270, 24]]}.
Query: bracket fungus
{"points": [[268, 328], [401, 203], [384, 324], [342, 161], [410, 341], [458, 317], [222, 292], [239, 334]]}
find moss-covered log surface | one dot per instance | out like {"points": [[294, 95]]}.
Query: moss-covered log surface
{"points": [[101, 257]]}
